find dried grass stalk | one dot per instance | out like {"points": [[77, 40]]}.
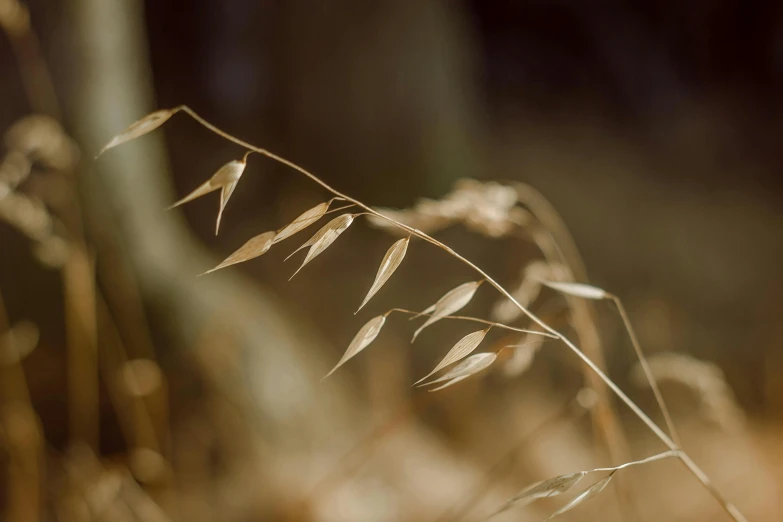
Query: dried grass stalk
{"points": [[459, 297]]}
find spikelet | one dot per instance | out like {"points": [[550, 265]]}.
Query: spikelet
{"points": [[322, 239], [306, 219], [254, 248], [361, 340], [470, 366], [462, 349], [147, 124], [452, 301], [224, 179], [389, 264]]}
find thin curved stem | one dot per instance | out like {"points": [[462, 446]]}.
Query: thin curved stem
{"points": [[476, 320], [646, 369], [338, 209], [557, 245], [660, 456], [695, 470]]}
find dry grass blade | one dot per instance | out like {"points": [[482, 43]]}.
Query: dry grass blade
{"points": [[147, 124], [255, 247], [585, 358], [225, 179], [544, 489], [451, 302], [303, 221], [577, 289], [18, 342], [470, 366], [583, 496], [389, 264], [460, 350], [363, 337], [325, 237]]}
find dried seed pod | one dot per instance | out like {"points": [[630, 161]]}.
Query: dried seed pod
{"points": [[321, 233], [451, 302], [306, 219], [363, 337], [389, 264], [577, 289], [583, 496], [147, 124], [225, 195], [544, 489], [225, 179], [460, 350], [255, 247], [324, 238], [470, 366]]}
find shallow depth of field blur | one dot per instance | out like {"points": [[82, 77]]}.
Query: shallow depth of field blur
{"points": [[133, 390]]}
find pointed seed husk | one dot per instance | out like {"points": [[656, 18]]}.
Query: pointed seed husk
{"points": [[363, 337], [389, 264], [325, 237], [544, 489], [577, 289], [582, 497], [322, 232], [255, 247], [224, 176], [306, 219], [454, 300], [462, 349], [225, 194], [147, 124], [452, 382], [472, 365]]}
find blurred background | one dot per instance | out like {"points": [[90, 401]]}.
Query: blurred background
{"points": [[132, 390]]}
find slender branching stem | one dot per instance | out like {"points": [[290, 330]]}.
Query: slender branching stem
{"points": [[646, 369], [476, 320], [689, 463], [660, 456], [338, 209]]}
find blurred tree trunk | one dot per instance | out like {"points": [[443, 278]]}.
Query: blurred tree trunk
{"points": [[125, 194]]}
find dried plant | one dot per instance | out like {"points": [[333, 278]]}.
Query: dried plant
{"points": [[488, 208], [35, 143], [707, 381], [38, 198]]}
